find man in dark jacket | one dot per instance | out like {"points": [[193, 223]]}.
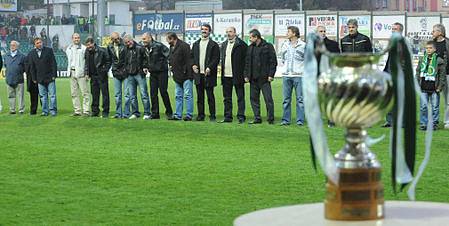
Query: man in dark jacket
{"points": [[442, 49], [156, 64], [15, 67], [32, 87], [116, 51], [136, 77], [206, 56], [355, 42], [260, 68], [1, 66], [96, 68], [331, 45], [233, 55], [180, 62], [43, 71]]}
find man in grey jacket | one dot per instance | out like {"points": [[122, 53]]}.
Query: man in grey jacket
{"points": [[15, 67], [78, 80]]}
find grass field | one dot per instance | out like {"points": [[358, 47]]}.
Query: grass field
{"points": [[86, 171]]}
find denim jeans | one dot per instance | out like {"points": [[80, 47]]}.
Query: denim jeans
{"points": [[434, 99], [133, 82], [48, 91], [288, 84], [184, 91], [121, 86]]}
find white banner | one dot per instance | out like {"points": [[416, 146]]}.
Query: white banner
{"points": [[223, 21], [8, 5], [382, 25], [193, 21], [286, 20], [446, 23], [329, 21], [420, 28]]}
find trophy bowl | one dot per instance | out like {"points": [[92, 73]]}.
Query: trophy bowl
{"points": [[354, 94]]}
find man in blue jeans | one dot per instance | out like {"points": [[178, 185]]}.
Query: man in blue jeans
{"points": [[43, 72], [133, 63], [180, 61], [116, 51], [292, 54]]}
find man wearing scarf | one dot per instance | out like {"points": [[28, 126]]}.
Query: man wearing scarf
{"points": [[431, 74]]}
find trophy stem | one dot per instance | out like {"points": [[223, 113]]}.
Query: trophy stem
{"points": [[359, 193]]}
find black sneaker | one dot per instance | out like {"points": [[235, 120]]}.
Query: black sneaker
{"points": [[423, 127], [174, 118], [200, 119], [386, 125], [187, 119], [226, 120], [241, 120]]}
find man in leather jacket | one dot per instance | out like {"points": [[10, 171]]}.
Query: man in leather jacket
{"points": [[355, 42]]}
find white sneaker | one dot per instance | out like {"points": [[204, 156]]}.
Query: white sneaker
{"points": [[133, 117], [446, 126], [146, 117]]}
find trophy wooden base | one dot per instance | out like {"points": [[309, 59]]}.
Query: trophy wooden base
{"points": [[359, 195]]}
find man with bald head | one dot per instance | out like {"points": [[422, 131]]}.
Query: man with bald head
{"points": [[78, 80], [155, 63], [233, 55], [116, 51], [15, 67]]}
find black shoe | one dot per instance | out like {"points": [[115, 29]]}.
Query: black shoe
{"points": [[199, 119], [386, 125], [271, 122], [241, 120], [226, 120], [423, 127], [212, 119], [435, 127], [94, 115], [174, 118], [12, 112], [155, 117], [257, 121], [187, 119], [33, 113]]}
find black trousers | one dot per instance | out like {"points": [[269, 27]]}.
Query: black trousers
{"points": [[159, 81], [97, 85], [200, 89], [227, 99], [255, 89], [34, 97]]}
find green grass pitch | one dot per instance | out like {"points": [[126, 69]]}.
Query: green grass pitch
{"points": [[89, 171]]}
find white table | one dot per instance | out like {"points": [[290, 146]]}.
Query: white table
{"points": [[398, 213]]}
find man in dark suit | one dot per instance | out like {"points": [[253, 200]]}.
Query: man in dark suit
{"points": [[97, 66], [233, 55], [260, 68], [206, 56], [116, 51], [43, 69], [32, 87], [180, 61], [331, 46]]}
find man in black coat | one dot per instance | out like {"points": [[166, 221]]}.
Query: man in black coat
{"points": [[260, 68], [116, 51], [1, 66], [43, 70], [97, 66], [31, 86], [155, 63], [331, 45], [206, 56], [180, 61], [355, 42], [233, 55]]}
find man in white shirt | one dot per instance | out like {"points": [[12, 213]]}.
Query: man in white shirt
{"points": [[78, 80], [292, 54]]}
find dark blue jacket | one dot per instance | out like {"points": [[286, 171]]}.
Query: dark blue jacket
{"points": [[15, 67]]}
